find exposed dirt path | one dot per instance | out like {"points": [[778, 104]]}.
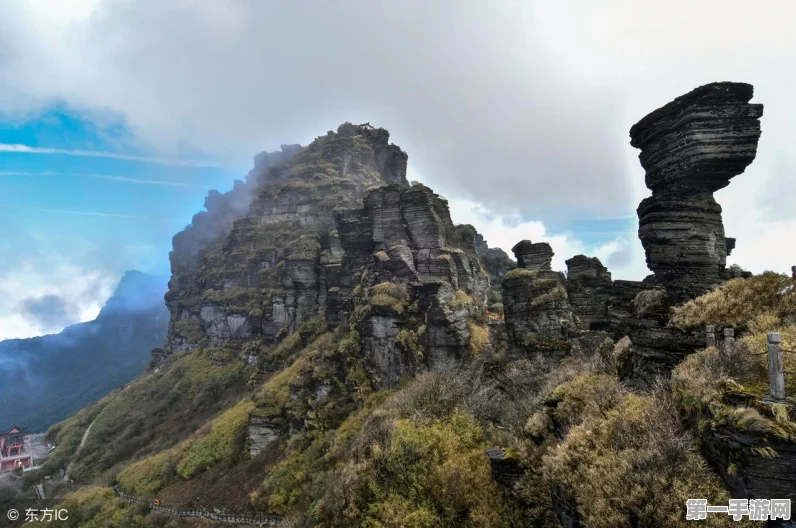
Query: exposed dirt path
{"points": [[77, 451]]}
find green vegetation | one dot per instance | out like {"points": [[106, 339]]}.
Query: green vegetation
{"points": [[460, 300], [226, 440], [479, 338], [418, 474], [306, 247], [556, 293], [520, 272], [409, 342], [96, 507], [648, 302], [68, 434], [233, 297], [153, 413], [388, 295]]}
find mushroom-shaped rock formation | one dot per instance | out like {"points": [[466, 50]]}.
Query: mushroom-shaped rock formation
{"points": [[691, 148]]}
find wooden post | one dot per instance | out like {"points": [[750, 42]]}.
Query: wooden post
{"points": [[776, 366], [710, 336]]}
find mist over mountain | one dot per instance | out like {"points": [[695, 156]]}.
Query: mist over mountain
{"points": [[47, 378]]}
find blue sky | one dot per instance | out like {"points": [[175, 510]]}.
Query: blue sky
{"points": [[130, 208], [517, 112], [98, 213]]}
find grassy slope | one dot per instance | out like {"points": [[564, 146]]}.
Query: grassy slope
{"points": [[414, 457]]}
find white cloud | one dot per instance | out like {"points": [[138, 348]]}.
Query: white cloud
{"points": [[25, 149], [140, 181], [505, 230], [88, 289], [90, 213], [112, 177]]}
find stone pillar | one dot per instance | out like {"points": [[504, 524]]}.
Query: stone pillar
{"points": [[710, 336], [729, 338], [534, 257], [690, 148], [590, 288], [535, 302]]}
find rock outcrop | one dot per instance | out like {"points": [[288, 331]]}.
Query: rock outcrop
{"points": [[537, 311], [691, 148], [330, 231], [496, 262], [590, 291], [411, 261], [506, 470], [261, 261], [534, 257]]}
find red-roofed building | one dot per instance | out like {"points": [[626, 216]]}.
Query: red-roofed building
{"points": [[13, 453]]}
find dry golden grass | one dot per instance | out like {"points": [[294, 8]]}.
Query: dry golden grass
{"points": [[633, 465], [479, 338], [738, 302]]}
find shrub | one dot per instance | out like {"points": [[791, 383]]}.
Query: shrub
{"points": [[519, 272], [647, 302], [587, 394], [418, 474], [146, 477], [409, 342], [189, 329], [389, 295], [306, 247], [460, 299], [96, 507], [479, 338], [633, 465], [739, 301], [556, 293], [157, 411]]}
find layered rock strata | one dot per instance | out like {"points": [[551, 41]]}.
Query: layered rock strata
{"points": [[332, 232], [537, 311], [590, 291], [691, 148], [404, 236]]}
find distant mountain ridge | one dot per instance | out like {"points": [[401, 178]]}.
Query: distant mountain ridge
{"points": [[47, 378]]}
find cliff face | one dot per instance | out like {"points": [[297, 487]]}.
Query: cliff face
{"points": [[263, 257]]}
